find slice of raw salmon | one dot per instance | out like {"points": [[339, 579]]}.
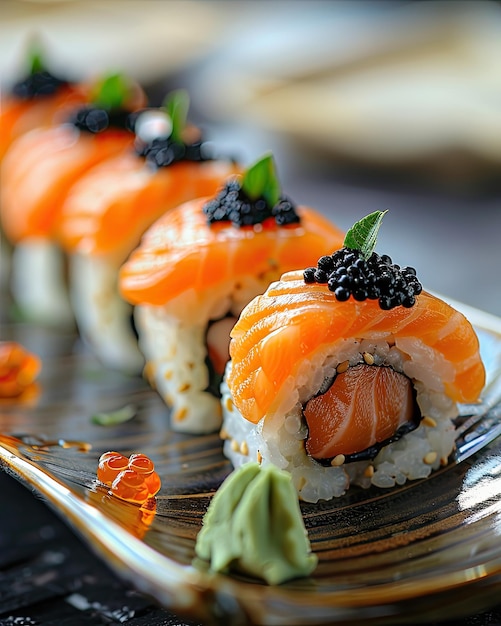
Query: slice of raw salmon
{"points": [[293, 322], [181, 251]]}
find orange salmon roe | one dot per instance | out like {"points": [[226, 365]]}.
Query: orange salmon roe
{"points": [[133, 479], [110, 465], [18, 369]]}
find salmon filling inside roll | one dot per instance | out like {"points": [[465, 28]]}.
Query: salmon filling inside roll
{"points": [[364, 408]]}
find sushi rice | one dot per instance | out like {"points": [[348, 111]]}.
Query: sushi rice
{"points": [[280, 438], [102, 316], [38, 282], [173, 339]]}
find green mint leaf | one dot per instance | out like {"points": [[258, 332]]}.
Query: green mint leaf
{"points": [[35, 57], [112, 92], [114, 418], [177, 104], [362, 235], [261, 180]]}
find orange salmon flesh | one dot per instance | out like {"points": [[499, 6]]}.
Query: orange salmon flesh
{"points": [[111, 206], [181, 251], [364, 406], [293, 322]]}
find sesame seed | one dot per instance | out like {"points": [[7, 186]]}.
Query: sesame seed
{"points": [[369, 471], [259, 457], [229, 404], [342, 367], [368, 358], [444, 461], [181, 414], [184, 387], [430, 458], [223, 433], [244, 448], [429, 421], [149, 371], [338, 460], [168, 374], [234, 445]]}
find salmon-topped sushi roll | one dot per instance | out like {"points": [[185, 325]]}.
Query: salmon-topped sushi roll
{"points": [[37, 173], [108, 210], [348, 372], [38, 99], [195, 270]]}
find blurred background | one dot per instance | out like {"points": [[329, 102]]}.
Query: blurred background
{"points": [[365, 105]]}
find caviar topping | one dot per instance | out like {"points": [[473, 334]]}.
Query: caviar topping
{"points": [[350, 272], [39, 82], [163, 151], [37, 85], [163, 138], [253, 200], [108, 107]]}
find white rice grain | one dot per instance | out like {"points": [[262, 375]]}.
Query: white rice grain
{"points": [[280, 438]]}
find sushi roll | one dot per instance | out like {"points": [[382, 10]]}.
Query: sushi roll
{"points": [[37, 172], [108, 209], [195, 270], [348, 373], [38, 99]]}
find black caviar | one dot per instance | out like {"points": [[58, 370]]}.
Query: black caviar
{"points": [[233, 205], [347, 273], [95, 120], [163, 151], [37, 84]]}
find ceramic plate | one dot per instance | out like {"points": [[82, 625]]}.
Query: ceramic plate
{"points": [[426, 551]]}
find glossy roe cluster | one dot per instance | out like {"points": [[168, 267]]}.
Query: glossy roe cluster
{"points": [[232, 204], [130, 478], [347, 274], [96, 120], [18, 369], [162, 151], [38, 84]]}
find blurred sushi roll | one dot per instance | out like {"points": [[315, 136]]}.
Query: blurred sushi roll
{"points": [[37, 172], [196, 269], [107, 211], [38, 99], [348, 373]]}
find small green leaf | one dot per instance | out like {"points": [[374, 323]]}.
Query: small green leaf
{"points": [[114, 418], [112, 92], [362, 235], [35, 57], [261, 180], [177, 104]]}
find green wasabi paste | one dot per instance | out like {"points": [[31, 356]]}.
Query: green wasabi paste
{"points": [[254, 525]]}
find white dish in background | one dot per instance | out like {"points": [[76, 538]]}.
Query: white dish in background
{"points": [[383, 83], [148, 39]]}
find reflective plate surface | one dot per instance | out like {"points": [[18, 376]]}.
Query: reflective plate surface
{"points": [[426, 551]]}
